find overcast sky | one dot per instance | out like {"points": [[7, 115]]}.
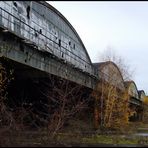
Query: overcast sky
{"points": [[120, 25]]}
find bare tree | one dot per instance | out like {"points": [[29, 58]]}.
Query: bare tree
{"points": [[111, 99], [111, 55], [46, 102], [67, 100], [6, 118], [112, 105]]}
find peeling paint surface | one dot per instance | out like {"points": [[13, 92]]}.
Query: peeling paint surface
{"points": [[44, 28]]}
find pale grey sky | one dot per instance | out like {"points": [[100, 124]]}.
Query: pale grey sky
{"points": [[120, 25]]}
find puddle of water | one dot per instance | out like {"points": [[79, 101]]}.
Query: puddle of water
{"points": [[141, 134]]}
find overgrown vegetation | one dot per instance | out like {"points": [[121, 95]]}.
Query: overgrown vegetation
{"points": [[110, 139], [6, 120], [112, 109], [59, 112], [145, 110], [44, 105]]}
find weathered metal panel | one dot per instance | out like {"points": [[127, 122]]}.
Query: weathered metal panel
{"points": [[43, 27]]}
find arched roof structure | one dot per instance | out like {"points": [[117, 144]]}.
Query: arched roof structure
{"points": [[67, 22], [110, 72], [43, 26], [141, 94], [132, 89], [69, 25]]}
